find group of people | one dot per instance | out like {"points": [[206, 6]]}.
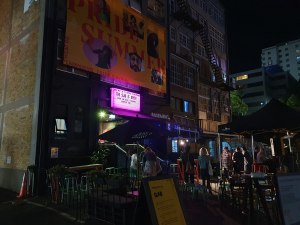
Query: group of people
{"points": [[240, 160], [204, 165], [147, 163]]}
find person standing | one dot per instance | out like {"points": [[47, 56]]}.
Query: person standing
{"points": [[248, 161], [188, 163], [149, 162], [203, 161], [261, 156], [226, 161], [238, 160], [133, 163]]}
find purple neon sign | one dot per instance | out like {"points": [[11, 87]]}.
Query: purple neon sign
{"points": [[125, 100]]}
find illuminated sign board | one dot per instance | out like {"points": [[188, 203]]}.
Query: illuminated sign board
{"points": [[125, 100], [112, 39]]}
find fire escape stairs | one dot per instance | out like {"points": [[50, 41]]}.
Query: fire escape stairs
{"points": [[184, 14]]}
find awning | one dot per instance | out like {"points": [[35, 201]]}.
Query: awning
{"points": [[127, 113]]}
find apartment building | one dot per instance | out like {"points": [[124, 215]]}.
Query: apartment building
{"points": [[286, 55], [260, 85], [197, 46]]}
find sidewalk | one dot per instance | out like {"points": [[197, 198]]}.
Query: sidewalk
{"points": [[36, 211]]}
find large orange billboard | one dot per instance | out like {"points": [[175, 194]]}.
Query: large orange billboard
{"points": [[109, 38]]}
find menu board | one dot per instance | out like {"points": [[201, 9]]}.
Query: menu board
{"points": [[160, 196], [288, 186]]}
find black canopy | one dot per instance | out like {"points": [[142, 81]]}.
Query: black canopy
{"points": [[273, 117], [137, 129]]}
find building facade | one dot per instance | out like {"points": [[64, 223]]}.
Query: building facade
{"points": [[286, 55], [55, 80], [259, 86], [197, 43]]}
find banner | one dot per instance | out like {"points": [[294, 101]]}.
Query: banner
{"points": [[109, 38]]}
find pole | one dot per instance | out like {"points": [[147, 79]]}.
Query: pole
{"points": [[289, 140], [219, 150], [252, 146]]}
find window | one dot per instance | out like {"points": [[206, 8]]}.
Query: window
{"points": [[173, 34], [188, 107], [203, 5], [172, 6], [178, 105], [242, 77], [184, 40], [59, 45], [182, 75], [175, 75], [199, 50], [188, 78], [174, 146], [256, 84], [175, 103], [156, 8], [254, 94], [185, 106], [135, 4], [60, 126]]}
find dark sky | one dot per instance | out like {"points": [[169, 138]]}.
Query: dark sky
{"points": [[256, 24]]}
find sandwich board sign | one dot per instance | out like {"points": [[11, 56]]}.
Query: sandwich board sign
{"points": [[159, 203]]}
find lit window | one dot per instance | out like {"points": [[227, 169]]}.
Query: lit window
{"points": [[60, 126], [242, 77], [174, 146], [186, 106]]}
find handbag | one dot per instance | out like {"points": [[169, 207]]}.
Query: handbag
{"points": [[210, 169]]}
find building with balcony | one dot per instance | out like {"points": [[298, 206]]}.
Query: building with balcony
{"points": [[64, 62], [198, 66]]}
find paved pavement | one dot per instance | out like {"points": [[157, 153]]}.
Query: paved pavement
{"points": [[37, 211]]}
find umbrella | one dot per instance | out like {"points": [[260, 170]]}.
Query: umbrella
{"points": [[273, 117], [137, 129]]}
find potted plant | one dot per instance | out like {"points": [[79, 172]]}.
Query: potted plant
{"points": [[100, 155]]}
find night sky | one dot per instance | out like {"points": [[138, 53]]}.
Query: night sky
{"points": [[256, 24]]}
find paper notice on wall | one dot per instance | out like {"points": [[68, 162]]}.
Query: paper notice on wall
{"points": [[54, 152]]}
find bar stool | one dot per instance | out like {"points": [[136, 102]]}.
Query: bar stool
{"points": [[110, 170], [173, 168], [69, 187]]}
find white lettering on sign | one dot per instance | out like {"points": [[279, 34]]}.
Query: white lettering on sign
{"points": [[125, 100], [161, 116]]}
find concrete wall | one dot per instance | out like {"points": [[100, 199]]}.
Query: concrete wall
{"points": [[20, 41]]}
